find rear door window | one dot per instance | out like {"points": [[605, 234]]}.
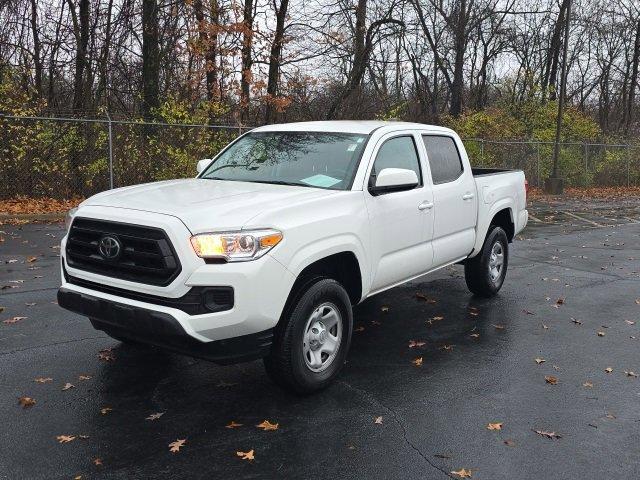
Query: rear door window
{"points": [[444, 158]]}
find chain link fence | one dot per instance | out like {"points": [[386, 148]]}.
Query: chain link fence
{"points": [[580, 164], [69, 158]]}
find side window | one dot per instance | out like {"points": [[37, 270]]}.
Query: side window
{"points": [[444, 158], [398, 152]]}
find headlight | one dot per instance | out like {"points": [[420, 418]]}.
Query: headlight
{"points": [[235, 246], [69, 218]]}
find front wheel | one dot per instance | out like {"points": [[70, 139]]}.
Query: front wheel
{"points": [[485, 272], [312, 339]]}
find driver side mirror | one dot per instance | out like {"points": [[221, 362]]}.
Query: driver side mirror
{"points": [[202, 164], [394, 180]]}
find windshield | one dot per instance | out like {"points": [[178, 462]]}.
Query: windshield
{"points": [[311, 159]]}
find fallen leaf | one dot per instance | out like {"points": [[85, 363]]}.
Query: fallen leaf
{"points": [[30, 304], [31, 259], [545, 327], [448, 348], [494, 426], [637, 301], [267, 425], [2, 310], [246, 455], [422, 296], [97, 461], [462, 473], [527, 312], [14, 320], [84, 377], [378, 420], [43, 379], [610, 416], [106, 355], [67, 386], [417, 362], [384, 309], [587, 384], [174, 447], [416, 343], [601, 334], [551, 435], [631, 374], [540, 360], [26, 402], [608, 369], [106, 410], [434, 319], [629, 322], [233, 424], [474, 335], [65, 438], [154, 416], [498, 327], [560, 301], [359, 329], [550, 379], [509, 443], [576, 321]]}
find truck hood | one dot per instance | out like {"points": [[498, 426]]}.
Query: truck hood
{"points": [[206, 205]]}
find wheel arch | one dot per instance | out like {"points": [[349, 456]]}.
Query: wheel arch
{"points": [[500, 214]]}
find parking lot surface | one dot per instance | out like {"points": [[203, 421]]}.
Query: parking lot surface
{"points": [[552, 359]]}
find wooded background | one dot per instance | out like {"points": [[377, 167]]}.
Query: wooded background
{"points": [[488, 68], [257, 61]]}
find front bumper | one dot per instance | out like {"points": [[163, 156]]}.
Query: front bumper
{"points": [[162, 329]]}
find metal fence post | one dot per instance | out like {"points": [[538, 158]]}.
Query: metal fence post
{"points": [[110, 152], [628, 165], [538, 164], [586, 164]]}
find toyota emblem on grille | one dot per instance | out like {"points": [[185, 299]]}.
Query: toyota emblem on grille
{"points": [[109, 247]]}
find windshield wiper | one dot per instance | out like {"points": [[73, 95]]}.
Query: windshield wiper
{"points": [[279, 182]]}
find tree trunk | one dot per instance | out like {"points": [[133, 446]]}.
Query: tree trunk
{"points": [[37, 59], [247, 60], [208, 38], [550, 76], [150, 59], [81, 33], [633, 82], [457, 87], [274, 63]]}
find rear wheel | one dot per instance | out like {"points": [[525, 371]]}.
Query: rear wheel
{"points": [[312, 339], [486, 271]]}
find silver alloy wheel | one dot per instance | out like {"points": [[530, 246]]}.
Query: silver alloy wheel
{"points": [[496, 262], [322, 336]]}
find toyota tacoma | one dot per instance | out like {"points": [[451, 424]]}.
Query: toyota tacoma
{"points": [[265, 252]]}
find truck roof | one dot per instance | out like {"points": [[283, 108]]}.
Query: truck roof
{"points": [[345, 126]]}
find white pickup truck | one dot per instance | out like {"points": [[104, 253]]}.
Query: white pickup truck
{"points": [[267, 250]]}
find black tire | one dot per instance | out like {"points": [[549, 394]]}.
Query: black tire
{"points": [[477, 271], [286, 364]]}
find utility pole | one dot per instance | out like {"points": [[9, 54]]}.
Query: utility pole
{"points": [[555, 184]]}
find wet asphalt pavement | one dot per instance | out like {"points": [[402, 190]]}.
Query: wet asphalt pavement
{"points": [[478, 367]]}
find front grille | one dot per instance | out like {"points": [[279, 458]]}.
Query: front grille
{"points": [[145, 253]]}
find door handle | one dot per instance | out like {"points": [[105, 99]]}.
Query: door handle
{"points": [[467, 196], [425, 206]]}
